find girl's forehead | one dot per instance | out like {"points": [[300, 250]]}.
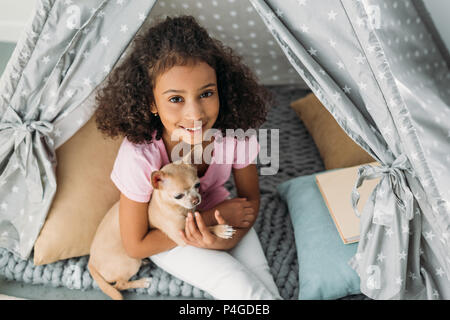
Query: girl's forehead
{"points": [[186, 76]]}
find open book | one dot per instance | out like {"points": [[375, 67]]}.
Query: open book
{"points": [[336, 187]]}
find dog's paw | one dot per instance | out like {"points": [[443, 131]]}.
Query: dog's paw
{"points": [[223, 231]]}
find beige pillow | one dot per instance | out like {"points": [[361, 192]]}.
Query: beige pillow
{"points": [[336, 148], [84, 194]]}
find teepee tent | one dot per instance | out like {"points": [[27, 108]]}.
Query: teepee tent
{"points": [[365, 60], [385, 117]]}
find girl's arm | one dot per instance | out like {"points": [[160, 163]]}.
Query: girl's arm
{"points": [[241, 211], [238, 212], [247, 185], [138, 241]]}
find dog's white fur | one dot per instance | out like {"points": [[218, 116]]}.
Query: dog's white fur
{"points": [[109, 261]]}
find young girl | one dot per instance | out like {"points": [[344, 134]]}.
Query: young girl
{"points": [[176, 78]]}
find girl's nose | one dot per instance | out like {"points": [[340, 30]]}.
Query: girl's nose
{"points": [[194, 111]]}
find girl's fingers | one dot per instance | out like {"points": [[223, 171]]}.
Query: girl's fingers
{"points": [[183, 236], [249, 217], [249, 210], [200, 222], [219, 217], [201, 225], [246, 223], [193, 228], [187, 229]]}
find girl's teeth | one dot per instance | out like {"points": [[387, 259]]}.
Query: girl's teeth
{"points": [[194, 129]]}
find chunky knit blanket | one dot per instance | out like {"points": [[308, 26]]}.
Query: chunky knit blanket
{"points": [[298, 156]]}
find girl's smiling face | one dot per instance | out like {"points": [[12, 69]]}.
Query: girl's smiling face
{"points": [[186, 97]]}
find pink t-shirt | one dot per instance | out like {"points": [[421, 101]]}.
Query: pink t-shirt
{"points": [[135, 163]]}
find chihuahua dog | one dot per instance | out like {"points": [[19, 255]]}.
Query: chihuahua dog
{"points": [[175, 193]]}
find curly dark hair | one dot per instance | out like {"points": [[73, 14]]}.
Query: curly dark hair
{"points": [[124, 103]]}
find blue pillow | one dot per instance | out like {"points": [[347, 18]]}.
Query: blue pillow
{"points": [[323, 258]]}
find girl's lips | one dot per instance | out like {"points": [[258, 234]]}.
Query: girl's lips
{"points": [[192, 132]]}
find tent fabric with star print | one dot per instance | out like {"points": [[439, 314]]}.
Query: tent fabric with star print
{"points": [[45, 95], [372, 64], [367, 71]]}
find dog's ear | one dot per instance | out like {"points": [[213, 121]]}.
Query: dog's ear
{"points": [[158, 179]]}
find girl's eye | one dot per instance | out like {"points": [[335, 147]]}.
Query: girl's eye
{"points": [[179, 196], [209, 93], [171, 99], [203, 95]]}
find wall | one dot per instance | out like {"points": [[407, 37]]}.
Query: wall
{"points": [[439, 11], [14, 14]]}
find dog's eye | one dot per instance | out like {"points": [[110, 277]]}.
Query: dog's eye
{"points": [[179, 196], [197, 185]]}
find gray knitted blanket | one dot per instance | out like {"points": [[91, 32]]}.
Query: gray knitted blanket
{"points": [[298, 156]]}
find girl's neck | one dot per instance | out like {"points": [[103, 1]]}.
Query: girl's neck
{"points": [[169, 144]]}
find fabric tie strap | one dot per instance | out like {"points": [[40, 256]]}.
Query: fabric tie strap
{"points": [[391, 190], [21, 143]]}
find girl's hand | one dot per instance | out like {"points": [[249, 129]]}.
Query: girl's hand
{"points": [[238, 212], [197, 234]]}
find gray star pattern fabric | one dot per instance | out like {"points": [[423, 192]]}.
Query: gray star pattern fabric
{"points": [[66, 51], [344, 51], [237, 24]]}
